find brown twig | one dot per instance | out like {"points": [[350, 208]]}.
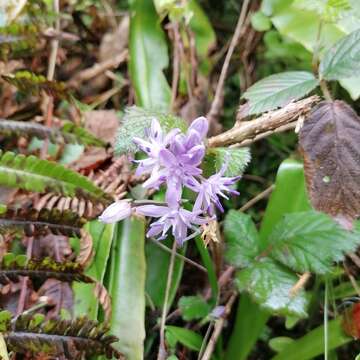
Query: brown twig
{"points": [[176, 63], [98, 69], [265, 124], [257, 198], [218, 328], [216, 104], [300, 284], [49, 100]]}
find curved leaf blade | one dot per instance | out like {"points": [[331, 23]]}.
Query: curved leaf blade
{"points": [[148, 56], [278, 90], [343, 59]]}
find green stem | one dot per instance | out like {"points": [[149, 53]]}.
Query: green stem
{"points": [[326, 317], [162, 350]]}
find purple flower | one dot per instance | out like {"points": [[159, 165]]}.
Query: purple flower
{"points": [[178, 219], [218, 312], [180, 169], [210, 189], [156, 141], [117, 211]]}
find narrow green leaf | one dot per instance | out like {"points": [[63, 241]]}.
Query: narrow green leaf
{"points": [[210, 267], [148, 56], [289, 196], [270, 284], [134, 123], [278, 90], [127, 288], [236, 160], [193, 307], [241, 239], [312, 344], [186, 337], [85, 303], [343, 59], [296, 240], [279, 343]]}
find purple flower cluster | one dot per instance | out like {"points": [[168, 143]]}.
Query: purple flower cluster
{"points": [[174, 160]]}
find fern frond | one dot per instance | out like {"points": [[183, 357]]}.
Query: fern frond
{"points": [[34, 222], [69, 132], [72, 339], [13, 266], [34, 174], [28, 82]]}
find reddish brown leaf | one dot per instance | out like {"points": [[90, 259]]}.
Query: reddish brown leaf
{"points": [[329, 142], [351, 321]]}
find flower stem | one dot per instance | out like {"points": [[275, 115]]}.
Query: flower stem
{"points": [[162, 349]]}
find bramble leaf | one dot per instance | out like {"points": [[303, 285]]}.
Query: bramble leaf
{"points": [[241, 239], [278, 90], [343, 59], [311, 241], [270, 284]]}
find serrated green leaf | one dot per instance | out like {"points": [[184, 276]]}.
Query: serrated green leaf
{"points": [[236, 158], [310, 241], [343, 59], [188, 338], [193, 307], [270, 284], [278, 90], [134, 123], [241, 239]]}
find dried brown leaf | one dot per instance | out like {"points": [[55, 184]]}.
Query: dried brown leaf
{"points": [[104, 299], [86, 253], [329, 142]]}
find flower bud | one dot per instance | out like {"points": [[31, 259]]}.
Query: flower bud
{"points": [[117, 211]]}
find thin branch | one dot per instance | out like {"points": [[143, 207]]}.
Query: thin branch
{"points": [[266, 123], [216, 104], [162, 350], [257, 198], [98, 69], [218, 328], [176, 64], [179, 256], [49, 100], [300, 284]]}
